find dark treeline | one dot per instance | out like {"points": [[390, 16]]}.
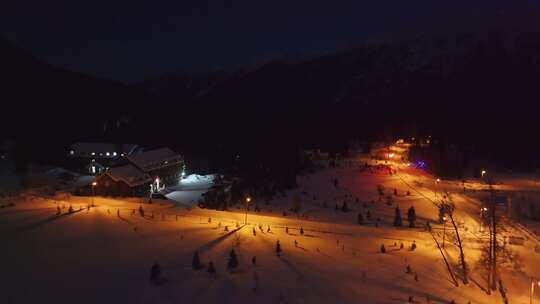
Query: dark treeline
{"points": [[475, 92]]}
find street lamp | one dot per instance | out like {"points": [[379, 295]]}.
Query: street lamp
{"points": [[248, 199], [483, 173], [533, 282], [444, 230], [94, 184], [483, 212]]}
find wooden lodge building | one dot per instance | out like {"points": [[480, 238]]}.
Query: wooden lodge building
{"points": [[141, 174], [96, 158]]}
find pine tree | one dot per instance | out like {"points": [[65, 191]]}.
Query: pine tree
{"points": [[411, 217], [278, 248], [233, 261], [360, 218], [211, 269], [196, 264], [345, 207], [397, 219], [155, 272], [141, 211]]}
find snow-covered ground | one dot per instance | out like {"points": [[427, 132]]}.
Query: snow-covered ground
{"points": [[104, 254], [189, 190]]}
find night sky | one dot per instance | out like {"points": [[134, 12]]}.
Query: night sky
{"points": [[129, 41]]}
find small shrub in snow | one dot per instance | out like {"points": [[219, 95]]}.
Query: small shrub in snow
{"points": [[383, 250], [232, 263], [278, 248]]}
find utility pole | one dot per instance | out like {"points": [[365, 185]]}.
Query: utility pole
{"points": [[493, 239]]}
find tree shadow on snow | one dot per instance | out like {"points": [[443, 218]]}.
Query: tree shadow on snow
{"points": [[220, 239], [40, 223]]}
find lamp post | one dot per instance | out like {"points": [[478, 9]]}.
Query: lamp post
{"points": [[533, 282], [94, 184], [248, 199], [483, 212], [483, 173], [437, 181], [444, 230]]}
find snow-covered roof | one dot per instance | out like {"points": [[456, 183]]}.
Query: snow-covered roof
{"points": [[101, 149], [129, 174], [155, 159]]}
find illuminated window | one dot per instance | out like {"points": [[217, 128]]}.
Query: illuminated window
{"points": [[71, 152], [108, 154], [93, 169], [114, 153], [93, 153]]}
